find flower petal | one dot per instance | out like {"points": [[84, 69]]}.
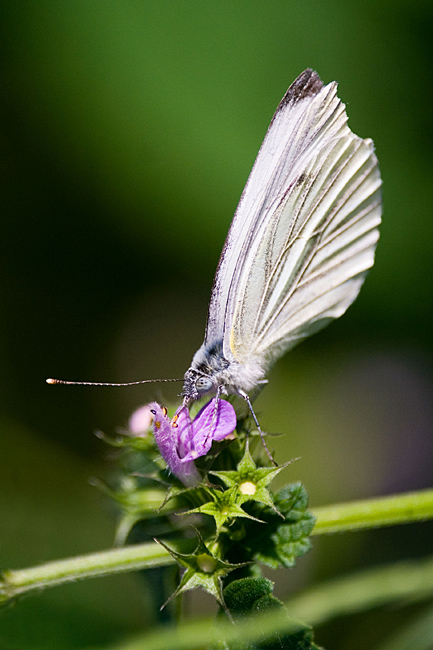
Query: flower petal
{"points": [[214, 421], [166, 437], [184, 431], [225, 419]]}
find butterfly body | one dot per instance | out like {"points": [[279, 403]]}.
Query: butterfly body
{"points": [[212, 372]]}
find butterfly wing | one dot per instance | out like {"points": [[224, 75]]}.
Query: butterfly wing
{"points": [[304, 233]]}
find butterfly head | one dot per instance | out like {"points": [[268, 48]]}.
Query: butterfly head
{"points": [[196, 384]]}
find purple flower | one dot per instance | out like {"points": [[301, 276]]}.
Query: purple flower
{"points": [[181, 439]]}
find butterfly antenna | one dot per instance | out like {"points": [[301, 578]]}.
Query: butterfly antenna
{"points": [[101, 383]]}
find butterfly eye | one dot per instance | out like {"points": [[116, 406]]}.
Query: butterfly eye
{"points": [[204, 384]]}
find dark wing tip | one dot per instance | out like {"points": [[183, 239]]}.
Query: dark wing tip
{"points": [[308, 84]]}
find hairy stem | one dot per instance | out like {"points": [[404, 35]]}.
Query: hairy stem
{"points": [[357, 515], [409, 581], [374, 513], [51, 574]]}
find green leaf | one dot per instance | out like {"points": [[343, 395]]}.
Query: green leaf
{"points": [[241, 595], [288, 540], [254, 595]]}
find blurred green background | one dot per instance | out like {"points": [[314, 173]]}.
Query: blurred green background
{"points": [[128, 131]]}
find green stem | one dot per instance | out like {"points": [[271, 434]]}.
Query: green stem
{"points": [[409, 581], [374, 513], [118, 560], [205, 633]]}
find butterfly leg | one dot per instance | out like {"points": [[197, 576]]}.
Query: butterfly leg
{"points": [[247, 399]]}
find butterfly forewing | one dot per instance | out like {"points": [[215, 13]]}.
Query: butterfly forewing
{"points": [[304, 233], [259, 194]]}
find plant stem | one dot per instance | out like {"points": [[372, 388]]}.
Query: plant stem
{"points": [[374, 513], [203, 633], [117, 560], [410, 581]]}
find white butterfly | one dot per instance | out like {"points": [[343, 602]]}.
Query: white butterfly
{"points": [[299, 247], [301, 242]]}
